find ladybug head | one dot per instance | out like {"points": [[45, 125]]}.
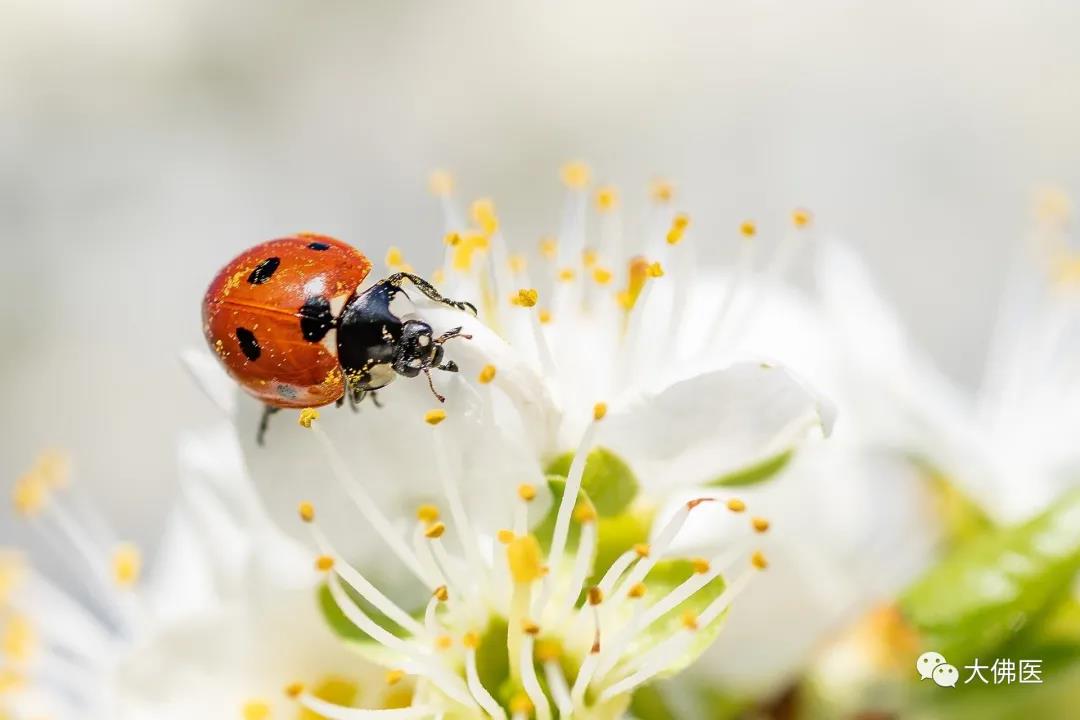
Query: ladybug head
{"points": [[417, 349]]}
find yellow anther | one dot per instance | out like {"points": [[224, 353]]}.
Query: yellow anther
{"points": [[736, 505], [452, 239], [256, 710], [548, 650], [575, 175], [526, 297], [18, 640], [466, 248], [29, 495], [10, 681], [53, 468], [759, 560], [589, 257], [307, 416], [637, 273], [444, 642], [529, 627], [440, 183], [567, 274], [520, 704], [637, 591], [306, 511], [435, 416], [748, 229], [585, 513], [599, 411], [549, 247], [482, 212], [690, 620], [642, 549], [442, 593], [427, 513], [801, 218], [394, 258], [607, 199], [393, 677], [525, 558], [602, 276], [596, 595], [435, 531], [655, 270], [294, 690], [505, 536], [678, 228], [544, 316], [487, 374], [760, 524], [661, 191], [126, 565], [527, 492], [471, 640], [324, 563], [701, 565], [517, 263]]}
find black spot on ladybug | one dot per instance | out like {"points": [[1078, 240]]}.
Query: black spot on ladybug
{"points": [[316, 318], [318, 246], [248, 344], [264, 270]]}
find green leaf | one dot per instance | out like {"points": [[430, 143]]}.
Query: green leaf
{"points": [[662, 579], [755, 473], [961, 518], [989, 590], [618, 534], [684, 697], [355, 638], [608, 480]]}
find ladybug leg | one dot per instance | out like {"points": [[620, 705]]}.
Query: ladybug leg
{"points": [[340, 401], [431, 385], [264, 423], [448, 366], [375, 398], [450, 334], [429, 290]]}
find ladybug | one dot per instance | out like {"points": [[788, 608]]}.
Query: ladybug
{"points": [[290, 324]]}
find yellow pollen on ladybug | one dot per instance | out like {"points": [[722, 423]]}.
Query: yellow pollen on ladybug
{"points": [[760, 524], [306, 511], [759, 560], [487, 374], [126, 565], [434, 416], [393, 677], [441, 183], [575, 175], [526, 297], [294, 689], [736, 505], [544, 316], [324, 563], [256, 710], [435, 531], [525, 559], [527, 492], [607, 199], [602, 276], [549, 248], [442, 593], [801, 218], [661, 191], [427, 513], [748, 229], [307, 416], [599, 411]]}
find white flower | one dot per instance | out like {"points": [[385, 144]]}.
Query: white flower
{"points": [[225, 620], [602, 367]]}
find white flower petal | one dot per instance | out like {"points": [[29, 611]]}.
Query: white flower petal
{"points": [[720, 422], [211, 378]]}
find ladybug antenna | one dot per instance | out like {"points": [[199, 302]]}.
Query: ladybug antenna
{"points": [[431, 384]]}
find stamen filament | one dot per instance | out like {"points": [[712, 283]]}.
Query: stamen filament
{"points": [[560, 691], [466, 534], [530, 682], [476, 687], [331, 711]]}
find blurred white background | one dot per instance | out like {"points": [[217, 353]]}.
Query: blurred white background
{"points": [[143, 144]]}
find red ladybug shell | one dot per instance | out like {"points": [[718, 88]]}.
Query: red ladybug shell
{"points": [[254, 317]]}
